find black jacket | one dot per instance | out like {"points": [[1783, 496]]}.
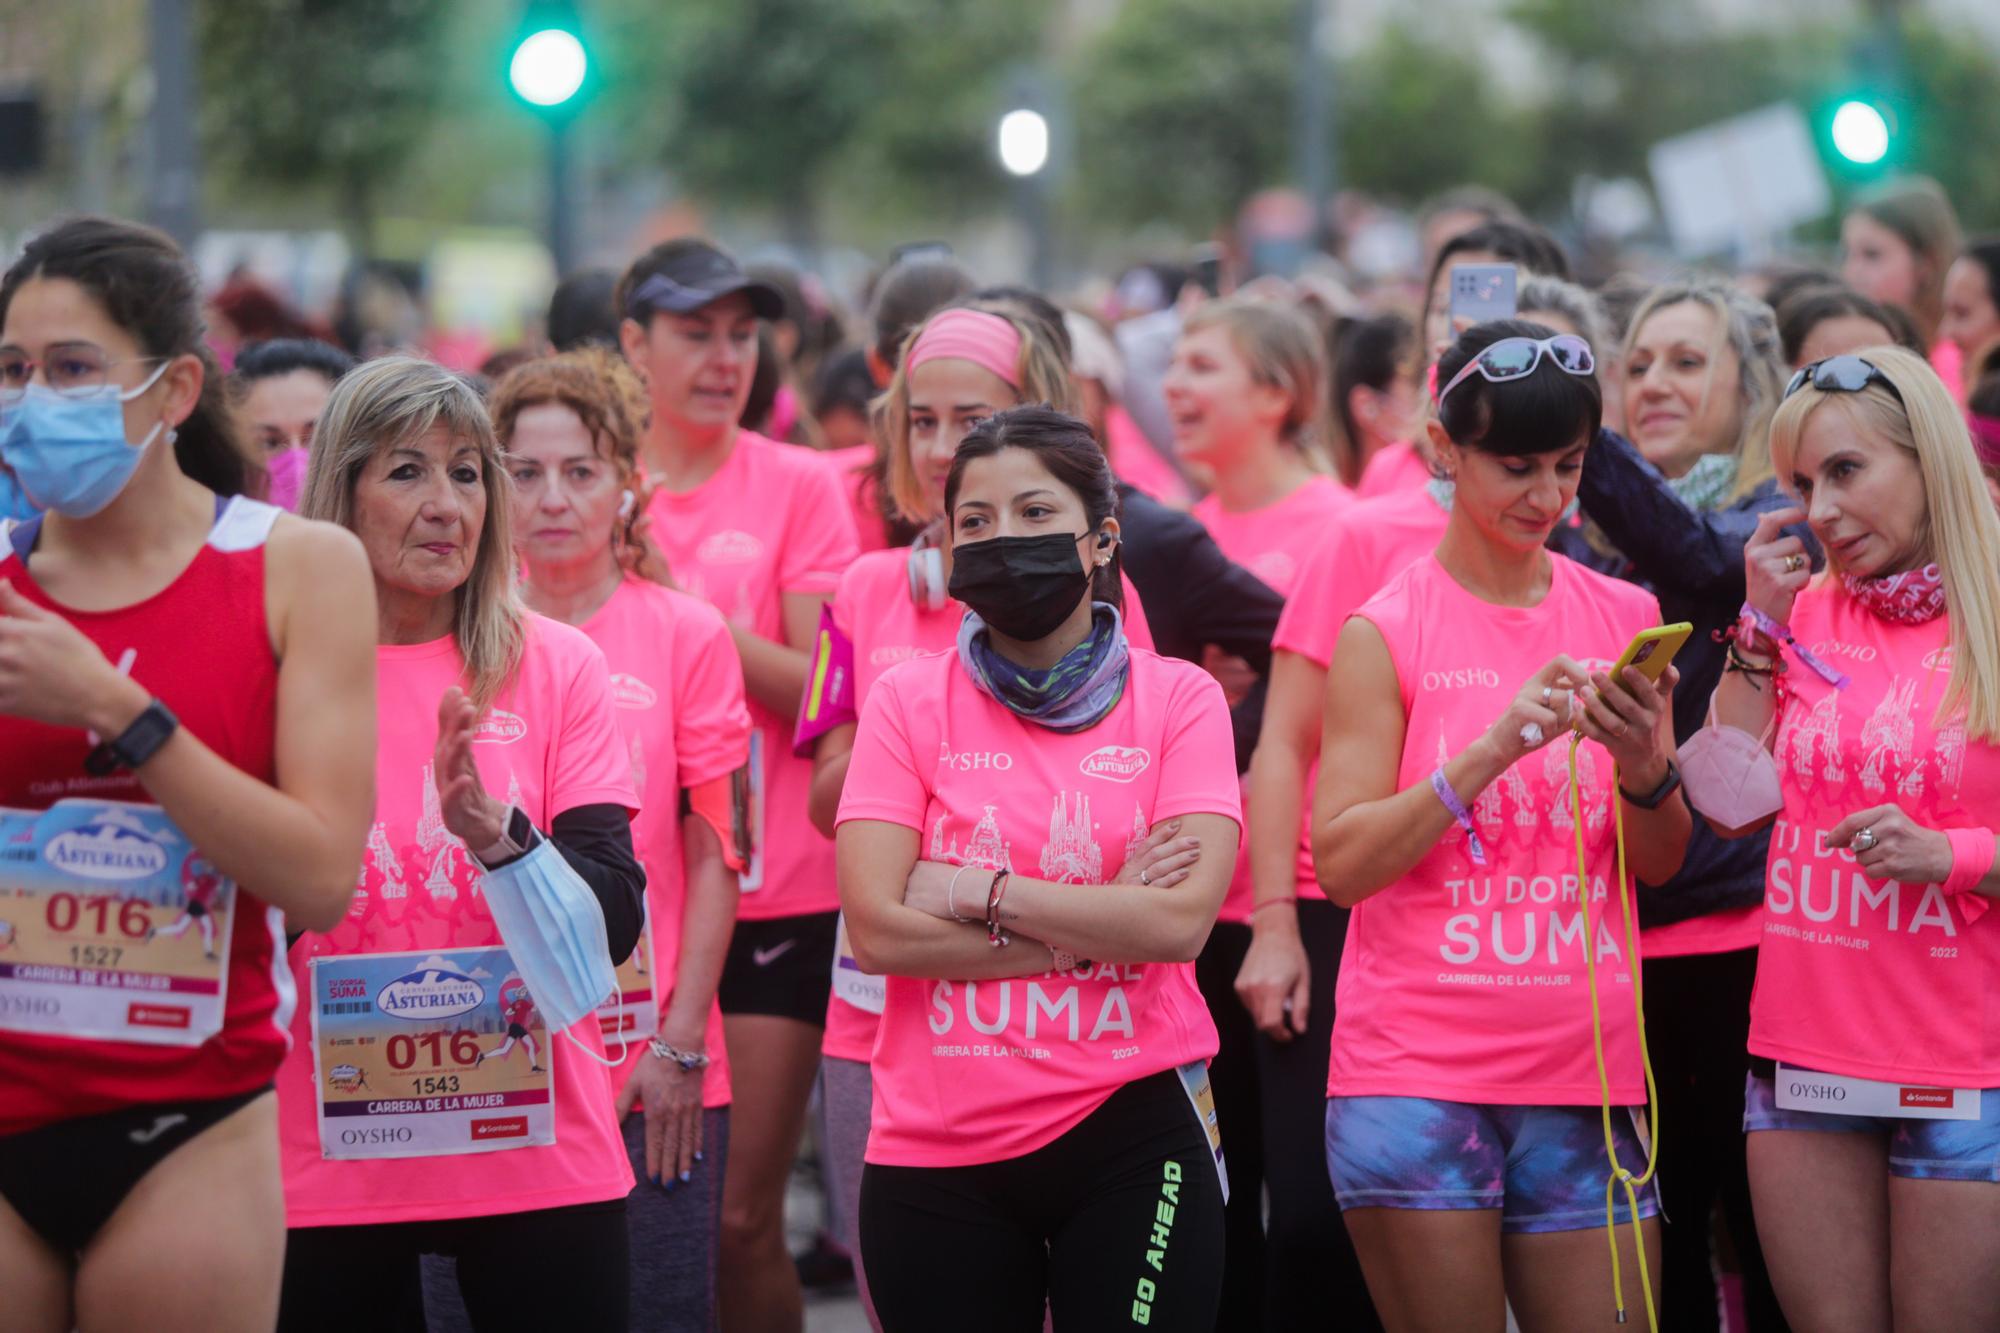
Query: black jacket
{"points": [[1693, 562], [1195, 595]]}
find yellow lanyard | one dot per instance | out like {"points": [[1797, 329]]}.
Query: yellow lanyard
{"points": [[1619, 1174]]}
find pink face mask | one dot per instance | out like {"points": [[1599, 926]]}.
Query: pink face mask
{"points": [[1730, 778], [287, 472]]}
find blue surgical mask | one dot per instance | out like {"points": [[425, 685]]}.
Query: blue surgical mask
{"points": [[13, 504], [553, 928], [68, 452]]}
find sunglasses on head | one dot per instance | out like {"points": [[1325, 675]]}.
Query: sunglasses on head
{"points": [[1516, 358], [1842, 374]]}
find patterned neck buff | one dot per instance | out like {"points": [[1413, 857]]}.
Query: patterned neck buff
{"points": [[1074, 694], [1909, 598]]}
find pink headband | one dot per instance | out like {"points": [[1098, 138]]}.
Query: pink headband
{"points": [[1985, 438], [987, 341]]}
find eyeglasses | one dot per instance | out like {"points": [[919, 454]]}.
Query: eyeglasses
{"points": [[1842, 374], [73, 371], [1516, 358]]}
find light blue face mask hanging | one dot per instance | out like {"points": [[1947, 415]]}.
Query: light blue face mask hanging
{"points": [[553, 928], [68, 452]]}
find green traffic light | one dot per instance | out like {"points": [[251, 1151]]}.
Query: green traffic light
{"points": [[1860, 133], [548, 67]]}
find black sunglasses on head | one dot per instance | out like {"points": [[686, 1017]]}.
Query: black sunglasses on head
{"points": [[1842, 374]]}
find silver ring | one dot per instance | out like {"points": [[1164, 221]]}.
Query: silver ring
{"points": [[1146, 877], [1531, 734], [1863, 841], [1548, 693], [1794, 563]]}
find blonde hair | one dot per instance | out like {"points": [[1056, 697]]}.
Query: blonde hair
{"points": [[1285, 352], [1960, 528], [1917, 209], [1041, 372], [392, 401], [1751, 331]]}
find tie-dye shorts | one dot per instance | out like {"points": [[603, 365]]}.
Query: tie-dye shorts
{"points": [[1918, 1149], [1543, 1167]]}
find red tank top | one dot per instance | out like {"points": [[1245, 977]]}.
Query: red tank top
{"points": [[201, 646]]}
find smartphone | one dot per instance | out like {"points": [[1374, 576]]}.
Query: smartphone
{"points": [[1480, 292], [1652, 651]]}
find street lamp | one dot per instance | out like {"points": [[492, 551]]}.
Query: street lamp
{"points": [[547, 71], [1024, 142]]}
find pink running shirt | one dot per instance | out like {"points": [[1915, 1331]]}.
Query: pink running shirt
{"points": [[1875, 979], [549, 743], [677, 687], [772, 520], [1394, 467], [851, 466], [1375, 541], [1271, 543], [969, 1072], [873, 609], [1466, 983], [1137, 463]]}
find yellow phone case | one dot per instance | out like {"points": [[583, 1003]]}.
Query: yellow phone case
{"points": [[1652, 650]]}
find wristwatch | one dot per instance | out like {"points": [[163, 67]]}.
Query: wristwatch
{"points": [[1655, 798], [136, 744], [689, 1061], [517, 838]]}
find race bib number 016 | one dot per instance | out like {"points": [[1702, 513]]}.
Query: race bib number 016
{"points": [[428, 1055], [111, 926]]}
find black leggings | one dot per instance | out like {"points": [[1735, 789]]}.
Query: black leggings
{"points": [[1698, 1027], [554, 1268], [1312, 1264], [1117, 1224], [1233, 1075]]}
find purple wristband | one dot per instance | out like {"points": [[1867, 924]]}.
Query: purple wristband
{"points": [[1782, 635], [1442, 787]]}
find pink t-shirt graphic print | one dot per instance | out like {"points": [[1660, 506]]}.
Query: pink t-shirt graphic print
{"points": [[983, 1071], [1858, 976], [1466, 982]]}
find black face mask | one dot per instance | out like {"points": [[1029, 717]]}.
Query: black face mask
{"points": [[1024, 587]]}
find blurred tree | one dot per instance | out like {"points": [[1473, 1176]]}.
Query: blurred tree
{"points": [[320, 93], [778, 104], [1417, 116], [1946, 128], [1182, 108]]}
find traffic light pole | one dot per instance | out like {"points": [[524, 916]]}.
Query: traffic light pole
{"points": [[562, 221]]}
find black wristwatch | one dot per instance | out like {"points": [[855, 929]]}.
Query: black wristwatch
{"points": [[1655, 798], [136, 744]]}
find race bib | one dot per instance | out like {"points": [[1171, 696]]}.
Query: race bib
{"points": [[1201, 1096], [112, 926], [1836, 1094], [866, 993], [751, 879], [428, 1054], [634, 1014]]}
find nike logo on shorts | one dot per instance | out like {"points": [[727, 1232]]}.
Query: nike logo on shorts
{"points": [[161, 1125], [765, 957]]}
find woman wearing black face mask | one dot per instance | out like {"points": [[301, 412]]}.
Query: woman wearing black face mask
{"points": [[1041, 1106]]}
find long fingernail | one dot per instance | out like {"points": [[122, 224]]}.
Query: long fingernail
{"points": [[686, 1176], [654, 1178], [668, 1184], [697, 1157]]}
